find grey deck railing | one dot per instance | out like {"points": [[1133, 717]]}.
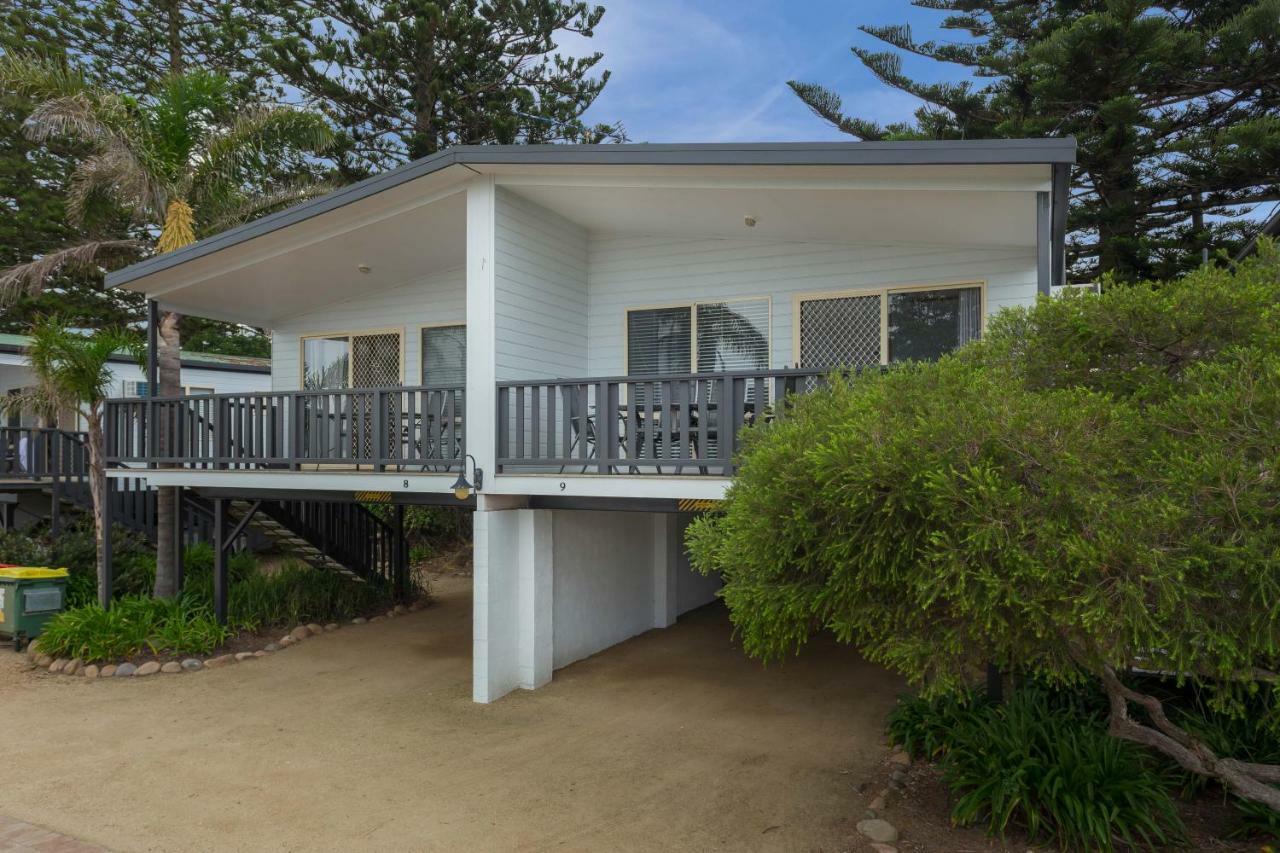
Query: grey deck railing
{"points": [[401, 429], [680, 424], [37, 453]]}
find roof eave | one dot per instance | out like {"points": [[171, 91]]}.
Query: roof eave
{"points": [[987, 152]]}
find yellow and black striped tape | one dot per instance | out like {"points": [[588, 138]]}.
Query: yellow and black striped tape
{"points": [[697, 504], [373, 497]]}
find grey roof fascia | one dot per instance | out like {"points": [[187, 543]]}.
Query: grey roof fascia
{"points": [[910, 153]]}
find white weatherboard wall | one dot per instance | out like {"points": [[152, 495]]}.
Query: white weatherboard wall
{"points": [[631, 271], [434, 299], [611, 573], [540, 291]]}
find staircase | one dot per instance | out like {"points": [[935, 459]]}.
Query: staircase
{"points": [[339, 537]]}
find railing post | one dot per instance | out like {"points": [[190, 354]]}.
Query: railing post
{"points": [[606, 432], [379, 443], [220, 560], [221, 432], [297, 431]]}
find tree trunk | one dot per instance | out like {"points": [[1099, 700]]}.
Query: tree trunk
{"points": [[169, 354], [1255, 782], [174, 14], [98, 494]]}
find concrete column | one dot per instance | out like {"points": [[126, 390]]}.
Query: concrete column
{"points": [[666, 557], [512, 602], [535, 602]]}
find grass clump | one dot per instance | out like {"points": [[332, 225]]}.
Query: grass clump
{"points": [[134, 625], [1044, 764]]}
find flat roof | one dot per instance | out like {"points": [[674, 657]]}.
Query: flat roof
{"points": [[969, 152], [12, 343]]}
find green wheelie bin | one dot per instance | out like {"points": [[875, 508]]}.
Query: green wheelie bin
{"points": [[29, 597]]}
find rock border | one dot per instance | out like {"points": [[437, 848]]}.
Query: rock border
{"points": [[879, 834], [125, 669]]}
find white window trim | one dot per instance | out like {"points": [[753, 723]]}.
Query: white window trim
{"points": [[398, 331], [693, 326], [884, 292]]}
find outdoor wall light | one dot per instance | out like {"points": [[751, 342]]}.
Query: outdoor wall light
{"points": [[749, 221], [462, 487]]}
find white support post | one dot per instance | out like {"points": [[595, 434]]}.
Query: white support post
{"points": [[535, 597], [512, 609], [481, 400], [666, 556]]}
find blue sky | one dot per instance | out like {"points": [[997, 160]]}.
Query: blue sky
{"points": [[716, 70]]}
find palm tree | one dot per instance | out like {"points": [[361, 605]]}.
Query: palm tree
{"points": [[73, 372], [185, 162]]}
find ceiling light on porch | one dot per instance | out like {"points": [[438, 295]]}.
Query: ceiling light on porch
{"points": [[364, 268], [749, 221]]}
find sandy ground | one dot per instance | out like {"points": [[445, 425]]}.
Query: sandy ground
{"points": [[367, 739]]}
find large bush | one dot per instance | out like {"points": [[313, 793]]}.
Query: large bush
{"points": [[1091, 487]]}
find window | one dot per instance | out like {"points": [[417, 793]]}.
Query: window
{"points": [[703, 336], [365, 360], [887, 326], [444, 355]]}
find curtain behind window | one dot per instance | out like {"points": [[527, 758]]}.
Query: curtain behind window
{"points": [[925, 325], [444, 355], [733, 336]]}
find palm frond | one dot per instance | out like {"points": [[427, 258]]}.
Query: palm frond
{"points": [[70, 366], [32, 276], [239, 209], [256, 138], [114, 175], [39, 78]]}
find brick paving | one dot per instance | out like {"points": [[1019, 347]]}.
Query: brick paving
{"points": [[20, 837]]}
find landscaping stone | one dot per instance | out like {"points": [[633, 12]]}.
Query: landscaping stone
{"points": [[33, 650], [171, 667], [400, 610], [300, 633], [73, 667], [285, 642], [57, 665], [900, 758], [315, 629], [359, 620], [377, 619], [220, 660], [391, 614], [898, 776], [91, 671], [125, 669], [107, 671], [879, 847], [151, 667], [244, 656], [877, 829], [877, 805], [43, 660], [193, 665], [272, 647], [332, 626], [260, 654]]}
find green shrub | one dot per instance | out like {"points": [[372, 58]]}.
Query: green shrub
{"points": [[75, 549], [1044, 762], [923, 726], [133, 624]]}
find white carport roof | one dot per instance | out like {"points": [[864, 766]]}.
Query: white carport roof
{"points": [[411, 221]]}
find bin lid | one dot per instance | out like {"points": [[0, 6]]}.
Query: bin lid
{"points": [[31, 572]]}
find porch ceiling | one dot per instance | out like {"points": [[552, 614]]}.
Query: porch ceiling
{"points": [[318, 262], [962, 216]]}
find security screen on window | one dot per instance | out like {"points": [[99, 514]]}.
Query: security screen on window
{"points": [[925, 325]]}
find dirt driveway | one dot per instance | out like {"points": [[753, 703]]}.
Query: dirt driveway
{"points": [[367, 739]]}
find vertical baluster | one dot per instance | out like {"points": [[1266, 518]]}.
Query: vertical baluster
{"points": [[504, 426], [566, 426], [520, 422], [706, 392], [535, 421]]}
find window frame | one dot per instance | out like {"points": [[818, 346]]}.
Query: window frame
{"points": [[692, 305], [883, 292], [422, 327], [398, 331]]}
